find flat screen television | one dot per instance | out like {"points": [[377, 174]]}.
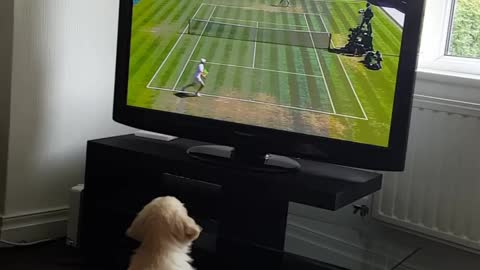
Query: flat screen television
{"points": [[328, 80]]}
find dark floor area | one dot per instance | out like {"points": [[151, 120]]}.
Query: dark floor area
{"points": [[54, 255]]}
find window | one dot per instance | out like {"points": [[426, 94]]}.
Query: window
{"points": [[464, 38], [451, 39]]}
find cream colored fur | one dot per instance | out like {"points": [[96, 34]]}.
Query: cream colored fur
{"points": [[166, 233]]}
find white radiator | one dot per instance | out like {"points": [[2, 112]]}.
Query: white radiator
{"points": [[439, 192]]}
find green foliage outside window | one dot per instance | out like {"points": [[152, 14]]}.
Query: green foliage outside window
{"points": [[465, 33]]}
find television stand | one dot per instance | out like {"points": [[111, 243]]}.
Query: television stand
{"points": [[227, 156], [240, 210]]}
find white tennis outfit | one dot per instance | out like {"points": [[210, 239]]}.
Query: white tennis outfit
{"points": [[198, 74]]}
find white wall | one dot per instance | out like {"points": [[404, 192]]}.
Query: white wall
{"points": [[61, 96]]}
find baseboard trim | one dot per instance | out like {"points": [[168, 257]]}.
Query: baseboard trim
{"points": [[34, 226], [325, 247], [429, 234]]}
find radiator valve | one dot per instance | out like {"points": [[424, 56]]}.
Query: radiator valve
{"points": [[362, 209]]}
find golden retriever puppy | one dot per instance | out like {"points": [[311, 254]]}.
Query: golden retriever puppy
{"points": [[166, 233]]}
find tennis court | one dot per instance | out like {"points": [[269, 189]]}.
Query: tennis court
{"points": [[271, 58]]}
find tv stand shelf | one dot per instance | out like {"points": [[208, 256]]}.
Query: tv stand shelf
{"points": [[124, 173]]}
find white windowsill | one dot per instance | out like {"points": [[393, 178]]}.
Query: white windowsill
{"points": [[448, 77], [458, 90]]}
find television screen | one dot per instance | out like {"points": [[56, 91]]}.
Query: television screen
{"points": [[319, 67], [337, 75]]}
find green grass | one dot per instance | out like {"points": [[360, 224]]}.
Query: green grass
{"points": [[465, 37], [314, 99]]}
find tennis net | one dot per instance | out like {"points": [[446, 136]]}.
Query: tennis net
{"points": [[301, 38]]}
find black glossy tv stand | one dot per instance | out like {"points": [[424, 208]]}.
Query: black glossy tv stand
{"points": [[243, 212]]}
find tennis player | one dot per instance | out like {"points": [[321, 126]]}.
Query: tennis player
{"points": [[200, 74]]}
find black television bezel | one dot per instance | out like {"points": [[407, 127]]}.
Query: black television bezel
{"points": [[391, 158]]}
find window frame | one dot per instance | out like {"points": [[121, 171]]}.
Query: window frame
{"points": [[433, 58]]}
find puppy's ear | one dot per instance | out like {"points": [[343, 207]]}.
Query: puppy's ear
{"points": [[184, 228], [137, 228]]}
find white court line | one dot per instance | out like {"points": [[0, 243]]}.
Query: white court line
{"points": [[256, 9], [324, 26], [346, 74], [255, 46], [266, 28], [173, 48], [244, 100], [262, 69], [229, 19], [261, 102], [320, 65], [193, 50], [223, 23]]}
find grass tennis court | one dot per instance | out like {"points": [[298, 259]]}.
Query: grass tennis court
{"points": [[258, 77]]}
